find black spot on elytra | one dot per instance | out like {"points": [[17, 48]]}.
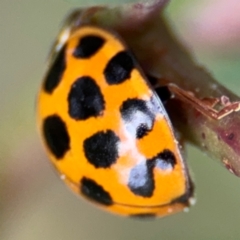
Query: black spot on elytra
{"points": [[101, 149], [164, 160], [163, 93], [138, 117], [119, 68], [55, 73], [95, 192], [85, 99], [141, 179], [56, 136], [88, 46]]}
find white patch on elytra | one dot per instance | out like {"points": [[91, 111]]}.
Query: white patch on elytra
{"points": [[128, 148], [138, 119], [139, 176]]}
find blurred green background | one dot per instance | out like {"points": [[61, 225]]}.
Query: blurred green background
{"points": [[34, 203]]}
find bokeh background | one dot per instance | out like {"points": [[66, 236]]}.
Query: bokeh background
{"points": [[34, 203]]}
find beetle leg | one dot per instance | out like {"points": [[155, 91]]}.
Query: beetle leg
{"points": [[207, 105]]}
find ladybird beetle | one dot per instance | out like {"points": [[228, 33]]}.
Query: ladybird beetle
{"points": [[106, 131]]}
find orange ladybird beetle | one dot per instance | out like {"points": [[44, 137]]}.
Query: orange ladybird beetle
{"points": [[106, 130]]}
